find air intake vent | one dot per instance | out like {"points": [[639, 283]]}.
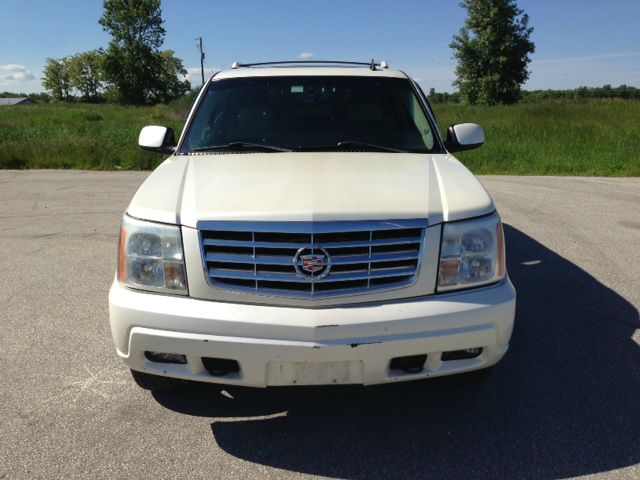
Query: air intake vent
{"points": [[312, 259]]}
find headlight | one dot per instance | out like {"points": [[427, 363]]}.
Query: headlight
{"points": [[472, 254], [150, 257]]}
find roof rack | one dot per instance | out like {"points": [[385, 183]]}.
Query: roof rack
{"points": [[372, 64]]}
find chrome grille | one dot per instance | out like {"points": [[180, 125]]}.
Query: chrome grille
{"points": [[267, 257]]}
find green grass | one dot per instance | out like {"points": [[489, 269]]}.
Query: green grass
{"points": [[81, 136], [591, 137]]}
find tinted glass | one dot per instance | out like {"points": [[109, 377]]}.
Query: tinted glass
{"points": [[311, 111]]}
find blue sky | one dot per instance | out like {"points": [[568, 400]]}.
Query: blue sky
{"points": [[578, 42]]}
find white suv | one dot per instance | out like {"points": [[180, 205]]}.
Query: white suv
{"points": [[310, 227]]}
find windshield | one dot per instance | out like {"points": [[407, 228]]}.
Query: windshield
{"points": [[311, 113]]}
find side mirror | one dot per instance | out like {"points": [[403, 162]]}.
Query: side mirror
{"points": [[157, 139], [464, 136]]}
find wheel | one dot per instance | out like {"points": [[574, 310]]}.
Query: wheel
{"points": [[157, 383]]}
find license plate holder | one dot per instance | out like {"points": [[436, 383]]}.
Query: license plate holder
{"points": [[314, 373]]}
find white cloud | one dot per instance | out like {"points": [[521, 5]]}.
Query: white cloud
{"points": [[11, 73], [194, 75], [19, 79], [306, 55]]}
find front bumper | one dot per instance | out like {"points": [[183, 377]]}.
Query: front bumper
{"points": [[297, 346]]}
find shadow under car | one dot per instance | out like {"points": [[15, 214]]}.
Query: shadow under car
{"points": [[563, 402]]}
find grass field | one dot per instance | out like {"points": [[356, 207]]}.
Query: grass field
{"points": [[81, 136], [595, 137], [590, 137]]}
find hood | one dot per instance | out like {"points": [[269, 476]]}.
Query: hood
{"points": [[310, 186]]}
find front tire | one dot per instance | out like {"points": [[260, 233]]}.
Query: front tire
{"points": [[156, 383]]}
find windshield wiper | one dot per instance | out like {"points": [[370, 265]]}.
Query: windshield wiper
{"points": [[241, 146], [345, 144]]}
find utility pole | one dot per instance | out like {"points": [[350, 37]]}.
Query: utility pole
{"points": [[201, 58]]}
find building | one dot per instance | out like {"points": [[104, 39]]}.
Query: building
{"points": [[16, 101]]}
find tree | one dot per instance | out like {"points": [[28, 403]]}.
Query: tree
{"points": [[133, 63], [85, 70], [57, 78], [169, 85], [492, 50]]}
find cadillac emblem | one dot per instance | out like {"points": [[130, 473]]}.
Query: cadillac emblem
{"points": [[312, 263]]}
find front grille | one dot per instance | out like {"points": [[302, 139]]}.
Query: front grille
{"points": [[311, 259]]}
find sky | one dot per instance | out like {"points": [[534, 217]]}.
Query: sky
{"points": [[578, 42]]}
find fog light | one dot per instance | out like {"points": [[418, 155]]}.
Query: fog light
{"points": [[410, 364], [161, 357], [219, 367], [465, 354]]}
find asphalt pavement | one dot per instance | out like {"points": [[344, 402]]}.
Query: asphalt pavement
{"points": [[565, 401]]}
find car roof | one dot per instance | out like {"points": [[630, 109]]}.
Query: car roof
{"points": [[242, 72]]}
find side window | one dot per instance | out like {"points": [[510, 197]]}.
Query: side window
{"points": [[417, 114]]}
